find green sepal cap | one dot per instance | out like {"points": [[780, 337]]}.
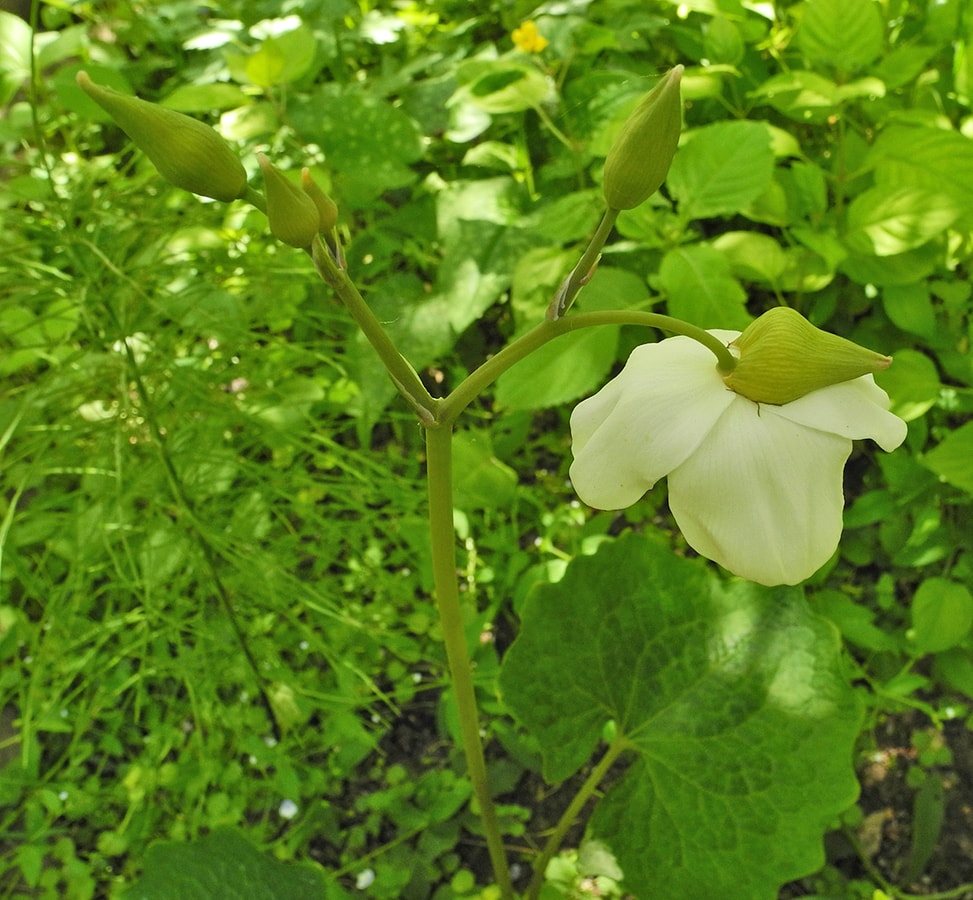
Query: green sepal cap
{"points": [[187, 153], [327, 208], [639, 160], [782, 357], [294, 217]]}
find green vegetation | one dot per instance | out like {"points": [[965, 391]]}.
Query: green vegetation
{"points": [[221, 666]]}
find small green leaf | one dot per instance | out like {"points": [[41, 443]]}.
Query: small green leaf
{"points": [[199, 98], [855, 621], [847, 34], [909, 307], [950, 460], [942, 613], [752, 256], [15, 51], [223, 864], [730, 697], [481, 481], [282, 58], [928, 815], [501, 86], [911, 382]]}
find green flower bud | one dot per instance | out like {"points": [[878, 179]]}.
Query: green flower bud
{"points": [[187, 153], [639, 159], [783, 357], [327, 210], [294, 217]]}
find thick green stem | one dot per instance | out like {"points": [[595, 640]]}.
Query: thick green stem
{"points": [[569, 815], [439, 477], [485, 375], [582, 272], [405, 377]]}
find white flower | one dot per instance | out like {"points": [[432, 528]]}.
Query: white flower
{"points": [[755, 487]]}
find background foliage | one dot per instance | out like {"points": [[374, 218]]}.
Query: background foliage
{"points": [[212, 503]]}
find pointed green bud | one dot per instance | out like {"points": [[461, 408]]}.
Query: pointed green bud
{"points": [[783, 357], [293, 215], [639, 159], [327, 209], [187, 153]]}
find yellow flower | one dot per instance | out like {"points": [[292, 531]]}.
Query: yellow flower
{"points": [[528, 38]]}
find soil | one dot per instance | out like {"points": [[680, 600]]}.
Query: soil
{"points": [[886, 834]]}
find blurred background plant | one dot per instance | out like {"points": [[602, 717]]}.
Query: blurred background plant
{"points": [[214, 605]]}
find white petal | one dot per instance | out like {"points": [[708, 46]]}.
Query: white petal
{"points": [[762, 496], [854, 409], [646, 421]]}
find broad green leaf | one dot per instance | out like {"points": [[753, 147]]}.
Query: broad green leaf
{"points": [[722, 41], [561, 371], [480, 480], [752, 256], [700, 289], [479, 226], [903, 268], [951, 459], [501, 86], [932, 159], [721, 169], [368, 142], [801, 95], [197, 98], [903, 63], [909, 307], [15, 50], [223, 864], [730, 697], [847, 34], [888, 222], [282, 58], [942, 613]]}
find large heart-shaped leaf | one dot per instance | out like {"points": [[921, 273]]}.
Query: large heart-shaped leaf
{"points": [[732, 701]]}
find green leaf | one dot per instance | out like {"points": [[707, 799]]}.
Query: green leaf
{"points": [[700, 289], [950, 460], [752, 256], [933, 159], [909, 307], [721, 169], [847, 34], [855, 621], [225, 865], [731, 698], [369, 143], [15, 50], [911, 382], [942, 613], [801, 95], [501, 86], [198, 98], [561, 371], [481, 481], [887, 222], [282, 58], [576, 364]]}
